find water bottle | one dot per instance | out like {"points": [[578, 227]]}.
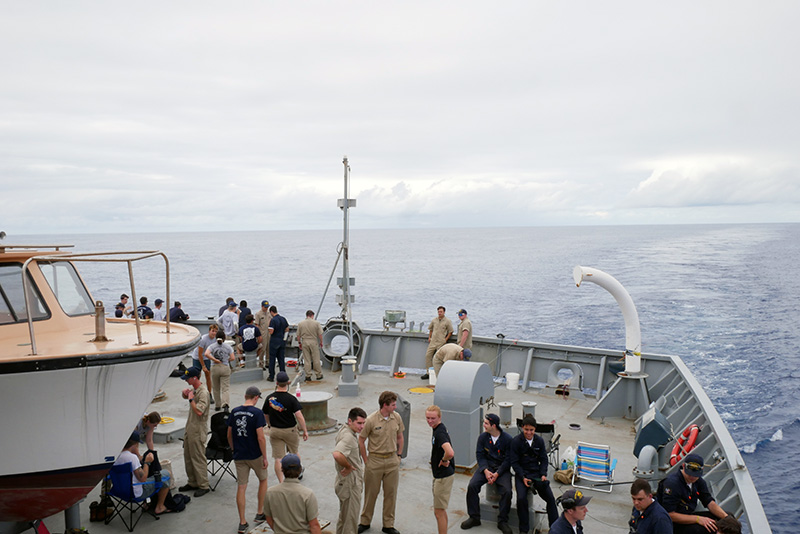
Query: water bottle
{"points": [[297, 391], [564, 465]]}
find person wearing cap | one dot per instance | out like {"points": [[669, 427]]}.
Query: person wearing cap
{"points": [[442, 466], [144, 311], [278, 326], [309, 334], [159, 313], [284, 414], [494, 467], [574, 504], [194, 437], [464, 335], [229, 320], [647, 516], [290, 507], [682, 490], [176, 314], [262, 320], [349, 471], [142, 473], [439, 331], [447, 352], [529, 460], [246, 438], [119, 310], [382, 437]]}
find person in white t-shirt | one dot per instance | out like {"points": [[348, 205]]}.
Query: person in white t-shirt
{"points": [[141, 473]]}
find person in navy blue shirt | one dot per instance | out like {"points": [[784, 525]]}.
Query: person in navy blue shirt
{"points": [[278, 326], [144, 311], [682, 490], [246, 437], [494, 467], [574, 504], [647, 516], [244, 311], [249, 336], [529, 460], [176, 314]]}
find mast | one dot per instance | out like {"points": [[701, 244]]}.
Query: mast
{"points": [[345, 283]]}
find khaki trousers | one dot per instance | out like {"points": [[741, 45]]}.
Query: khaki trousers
{"points": [[429, 355], [311, 356], [194, 456], [349, 492], [221, 382], [385, 471]]}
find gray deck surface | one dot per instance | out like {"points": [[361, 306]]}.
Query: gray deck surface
{"points": [[216, 511]]}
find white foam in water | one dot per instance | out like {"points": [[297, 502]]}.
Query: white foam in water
{"points": [[777, 436]]}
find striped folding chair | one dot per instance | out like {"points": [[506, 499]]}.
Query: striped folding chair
{"points": [[593, 463]]}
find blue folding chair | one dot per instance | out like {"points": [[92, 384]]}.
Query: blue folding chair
{"points": [[593, 462], [124, 499]]}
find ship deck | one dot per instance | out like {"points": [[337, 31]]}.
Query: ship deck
{"points": [[216, 511]]}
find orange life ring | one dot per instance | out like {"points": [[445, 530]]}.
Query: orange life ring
{"points": [[684, 444]]}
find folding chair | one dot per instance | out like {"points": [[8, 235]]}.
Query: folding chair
{"points": [[593, 462], [219, 455], [124, 499]]}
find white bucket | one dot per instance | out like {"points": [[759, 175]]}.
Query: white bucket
{"points": [[512, 381], [431, 376]]}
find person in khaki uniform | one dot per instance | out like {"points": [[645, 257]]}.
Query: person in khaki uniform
{"points": [[309, 333], [447, 352], [383, 429], [464, 334], [349, 472], [439, 331], [262, 322], [290, 507], [194, 437]]}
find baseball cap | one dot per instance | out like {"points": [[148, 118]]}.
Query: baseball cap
{"points": [[693, 466], [575, 495], [462, 310], [159, 301], [467, 354], [135, 437], [252, 391], [282, 378], [290, 460], [191, 372], [232, 304], [493, 418], [264, 303]]}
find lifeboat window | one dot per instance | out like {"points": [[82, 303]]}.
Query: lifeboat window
{"points": [[12, 300], [68, 287]]}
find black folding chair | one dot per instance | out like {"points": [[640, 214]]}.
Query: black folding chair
{"points": [[219, 455]]}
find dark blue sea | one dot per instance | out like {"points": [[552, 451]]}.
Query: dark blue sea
{"points": [[723, 297]]}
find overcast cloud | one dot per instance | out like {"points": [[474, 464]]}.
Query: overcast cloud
{"points": [[156, 116]]}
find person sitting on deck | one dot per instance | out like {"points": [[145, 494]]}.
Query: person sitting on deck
{"points": [[529, 460], [141, 473], [681, 491]]}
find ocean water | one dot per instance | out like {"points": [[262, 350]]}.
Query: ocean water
{"points": [[723, 297]]}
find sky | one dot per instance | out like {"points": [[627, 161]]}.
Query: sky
{"points": [[197, 116]]}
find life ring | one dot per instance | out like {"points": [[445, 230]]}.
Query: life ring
{"points": [[684, 444]]}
